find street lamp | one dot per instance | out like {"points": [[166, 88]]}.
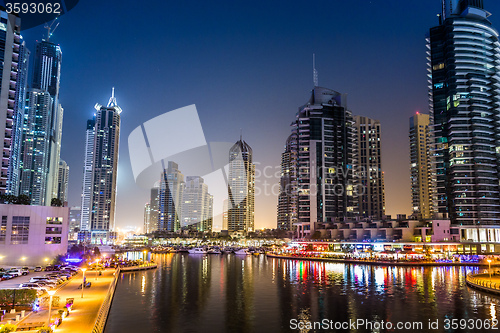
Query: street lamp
{"points": [[83, 281], [51, 293], [489, 268]]}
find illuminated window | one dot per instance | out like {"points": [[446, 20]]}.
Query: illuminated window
{"points": [[54, 220], [438, 66], [20, 229], [52, 240]]}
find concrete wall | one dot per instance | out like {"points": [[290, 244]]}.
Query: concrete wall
{"points": [[36, 251]]}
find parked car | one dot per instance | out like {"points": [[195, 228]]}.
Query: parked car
{"points": [[25, 270], [38, 268], [5, 276], [69, 269], [14, 272], [32, 285], [43, 282], [56, 277], [66, 274], [52, 279], [49, 268]]}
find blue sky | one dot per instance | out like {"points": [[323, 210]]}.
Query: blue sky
{"points": [[246, 65]]}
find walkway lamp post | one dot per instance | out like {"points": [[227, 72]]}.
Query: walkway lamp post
{"points": [[83, 280], [489, 268], [51, 293], [144, 256]]}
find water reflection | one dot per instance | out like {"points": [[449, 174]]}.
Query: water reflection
{"points": [[228, 293]]}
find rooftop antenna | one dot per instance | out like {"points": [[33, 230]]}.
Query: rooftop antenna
{"points": [[241, 134], [50, 31], [315, 72], [112, 99]]}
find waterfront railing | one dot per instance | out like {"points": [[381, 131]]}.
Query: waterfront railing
{"points": [[102, 316], [482, 283]]}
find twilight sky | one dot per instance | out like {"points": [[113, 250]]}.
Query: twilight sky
{"points": [[245, 64]]}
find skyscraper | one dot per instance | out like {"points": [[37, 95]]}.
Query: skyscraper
{"points": [[287, 213], [14, 173], [324, 161], [370, 186], [241, 188], [420, 173], [197, 211], [463, 76], [47, 68], [170, 198], [87, 175], [74, 218], [46, 78], [147, 219], [62, 181], [104, 170], [36, 146], [154, 207], [10, 43]]}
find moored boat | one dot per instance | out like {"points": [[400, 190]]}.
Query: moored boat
{"points": [[197, 250]]}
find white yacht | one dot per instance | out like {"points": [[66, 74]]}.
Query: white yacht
{"points": [[197, 250], [242, 251], [214, 251]]}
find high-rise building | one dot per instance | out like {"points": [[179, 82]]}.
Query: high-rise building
{"points": [[197, 211], [241, 188], [36, 146], [325, 161], [14, 170], [74, 218], [369, 181], [287, 213], [104, 170], [225, 208], [463, 72], [170, 198], [46, 78], [10, 43], [154, 207], [147, 219], [420, 173], [87, 175], [62, 181]]}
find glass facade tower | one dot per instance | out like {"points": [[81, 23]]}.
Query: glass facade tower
{"points": [[463, 53]]}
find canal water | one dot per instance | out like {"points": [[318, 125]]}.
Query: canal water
{"points": [[230, 293]]}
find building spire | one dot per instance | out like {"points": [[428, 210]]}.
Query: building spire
{"points": [[112, 99], [315, 72]]}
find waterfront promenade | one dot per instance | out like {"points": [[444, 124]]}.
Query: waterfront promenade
{"points": [[85, 310], [383, 262]]}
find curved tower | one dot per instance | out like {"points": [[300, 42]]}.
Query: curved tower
{"points": [[464, 92], [241, 188]]}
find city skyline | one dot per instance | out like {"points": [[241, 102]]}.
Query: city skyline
{"points": [[382, 87]]}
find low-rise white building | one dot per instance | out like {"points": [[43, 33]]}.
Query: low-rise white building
{"points": [[32, 235]]}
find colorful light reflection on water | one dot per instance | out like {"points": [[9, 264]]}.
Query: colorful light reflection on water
{"points": [[228, 293]]}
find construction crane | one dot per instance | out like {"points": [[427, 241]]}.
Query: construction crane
{"points": [[50, 31]]}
